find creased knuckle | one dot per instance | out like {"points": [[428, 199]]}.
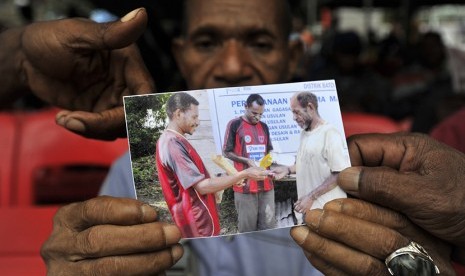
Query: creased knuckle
{"points": [[97, 268], [88, 242], [400, 222], [320, 246], [46, 250], [62, 214], [87, 209], [371, 268], [392, 243]]}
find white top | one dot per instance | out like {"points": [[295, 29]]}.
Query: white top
{"points": [[322, 151]]}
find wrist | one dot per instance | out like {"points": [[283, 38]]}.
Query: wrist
{"points": [[243, 174]]}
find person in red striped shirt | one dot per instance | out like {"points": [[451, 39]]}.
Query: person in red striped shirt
{"points": [[247, 140], [187, 187]]}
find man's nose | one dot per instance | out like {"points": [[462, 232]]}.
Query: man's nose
{"points": [[232, 67]]}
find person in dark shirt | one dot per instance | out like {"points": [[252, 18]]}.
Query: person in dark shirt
{"points": [[247, 141]]}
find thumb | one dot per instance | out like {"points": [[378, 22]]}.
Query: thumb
{"points": [[382, 185], [112, 35], [127, 30], [105, 125]]}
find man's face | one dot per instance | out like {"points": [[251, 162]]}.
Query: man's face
{"points": [[188, 120], [233, 43], [254, 112], [302, 116]]}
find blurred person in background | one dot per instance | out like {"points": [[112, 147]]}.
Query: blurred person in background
{"points": [[423, 86], [359, 88]]}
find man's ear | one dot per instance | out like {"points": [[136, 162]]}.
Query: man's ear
{"points": [[177, 48], [311, 107], [177, 114], [296, 49]]}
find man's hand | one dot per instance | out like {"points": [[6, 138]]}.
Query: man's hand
{"points": [[352, 237], [256, 173], [413, 174], [280, 172], [304, 204], [86, 68], [110, 236]]}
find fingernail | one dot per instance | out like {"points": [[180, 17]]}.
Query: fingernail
{"points": [[60, 120], [148, 213], [334, 205], [176, 252], [349, 178], [299, 234], [60, 117], [172, 234], [313, 218], [131, 15], [75, 125]]}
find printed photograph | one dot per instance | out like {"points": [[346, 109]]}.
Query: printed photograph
{"points": [[236, 160]]}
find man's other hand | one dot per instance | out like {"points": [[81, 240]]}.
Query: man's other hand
{"points": [[110, 236], [86, 68]]}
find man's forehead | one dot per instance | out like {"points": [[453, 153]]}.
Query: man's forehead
{"points": [[233, 15], [256, 106], [294, 103], [193, 109]]}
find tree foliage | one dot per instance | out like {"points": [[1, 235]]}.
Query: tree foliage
{"points": [[142, 138]]}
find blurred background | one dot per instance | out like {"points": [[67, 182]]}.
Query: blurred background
{"points": [[399, 65], [399, 58]]}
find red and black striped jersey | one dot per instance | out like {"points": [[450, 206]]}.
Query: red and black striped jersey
{"points": [[250, 141]]}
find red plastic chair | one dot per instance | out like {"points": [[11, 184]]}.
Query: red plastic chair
{"points": [[8, 132], [57, 166], [22, 233], [357, 123]]}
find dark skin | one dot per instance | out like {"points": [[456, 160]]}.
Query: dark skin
{"points": [[86, 68], [150, 259], [78, 65], [388, 170], [139, 244], [235, 60], [234, 43], [386, 166], [340, 239]]}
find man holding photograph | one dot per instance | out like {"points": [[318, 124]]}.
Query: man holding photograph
{"points": [[246, 141], [322, 154], [187, 187], [91, 237]]}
